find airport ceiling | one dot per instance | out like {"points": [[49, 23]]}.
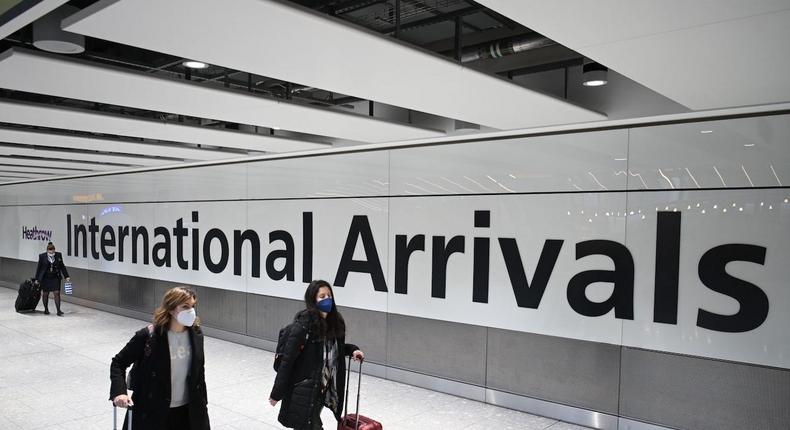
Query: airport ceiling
{"points": [[285, 76]]}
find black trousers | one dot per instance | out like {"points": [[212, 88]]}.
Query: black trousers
{"points": [[178, 418]]}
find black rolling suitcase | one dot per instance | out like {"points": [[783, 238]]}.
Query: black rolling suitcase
{"points": [[28, 297]]}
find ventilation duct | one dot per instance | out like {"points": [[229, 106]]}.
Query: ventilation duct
{"points": [[47, 35], [505, 48]]}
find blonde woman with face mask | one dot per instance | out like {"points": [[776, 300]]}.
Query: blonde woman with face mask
{"points": [[168, 377]]}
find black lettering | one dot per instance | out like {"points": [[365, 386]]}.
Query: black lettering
{"points": [[622, 298], [403, 252], [665, 299], [80, 229], [307, 246], [753, 302], [68, 234], [212, 234], [179, 232], [529, 296], [287, 254], [106, 241], [139, 232], [255, 247], [360, 228], [93, 229], [480, 259], [122, 232], [440, 255], [164, 245], [195, 243]]}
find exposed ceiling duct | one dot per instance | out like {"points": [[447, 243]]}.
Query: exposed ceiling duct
{"points": [[504, 48]]}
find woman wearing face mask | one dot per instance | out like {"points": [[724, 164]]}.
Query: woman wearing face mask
{"points": [[49, 272], [168, 378], [313, 367]]}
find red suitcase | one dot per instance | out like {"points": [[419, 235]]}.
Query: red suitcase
{"points": [[356, 421]]}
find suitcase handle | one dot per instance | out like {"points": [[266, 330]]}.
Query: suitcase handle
{"points": [[359, 388], [115, 417]]}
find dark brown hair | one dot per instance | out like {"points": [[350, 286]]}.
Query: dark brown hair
{"points": [[333, 326]]}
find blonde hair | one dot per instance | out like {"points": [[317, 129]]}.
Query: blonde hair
{"points": [[172, 299]]}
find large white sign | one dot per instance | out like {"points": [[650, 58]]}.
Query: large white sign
{"points": [[696, 272]]}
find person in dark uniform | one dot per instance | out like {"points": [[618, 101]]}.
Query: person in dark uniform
{"points": [[49, 272]]}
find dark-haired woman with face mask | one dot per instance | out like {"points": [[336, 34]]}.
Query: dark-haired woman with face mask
{"points": [[168, 379], [312, 371]]}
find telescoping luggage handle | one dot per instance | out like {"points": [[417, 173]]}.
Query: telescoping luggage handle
{"points": [[359, 388], [115, 417]]}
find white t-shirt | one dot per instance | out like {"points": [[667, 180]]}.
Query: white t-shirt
{"points": [[180, 361]]}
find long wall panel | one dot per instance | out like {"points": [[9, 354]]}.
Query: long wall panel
{"points": [[689, 392], [576, 373], [584, 276], [450, 350]]}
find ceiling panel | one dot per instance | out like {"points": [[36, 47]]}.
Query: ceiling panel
{"points": [[55, 140], [97, 167], [287, 42], [95, 122], [12, 174], [42, 170], [23, 14], [607, 21], [82, 156], [703, 54], [37, 72]]}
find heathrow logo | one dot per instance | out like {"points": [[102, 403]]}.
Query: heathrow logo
{"points": [[36, 234]]}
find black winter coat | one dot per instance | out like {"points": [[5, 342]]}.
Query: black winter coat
{"points": [[151, 379], [299, 378]]}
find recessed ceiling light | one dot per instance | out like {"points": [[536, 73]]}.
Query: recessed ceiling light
{"points": [[706, 131], [594, 83], [194, 64], [594, 74], [748, 145]]}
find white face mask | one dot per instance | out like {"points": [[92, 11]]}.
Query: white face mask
{"points": [[186, 318], [51, 253]]}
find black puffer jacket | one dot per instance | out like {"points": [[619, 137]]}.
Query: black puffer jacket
{"points": [[298, 379], [151, 379]]}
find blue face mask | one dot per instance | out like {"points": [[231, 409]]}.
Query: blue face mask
{"points": [[325, 305]]}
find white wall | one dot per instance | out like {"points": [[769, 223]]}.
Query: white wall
{"points": [[605, 186]]}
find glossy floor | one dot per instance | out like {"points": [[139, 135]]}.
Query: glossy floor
{"points": [[54, 374]]}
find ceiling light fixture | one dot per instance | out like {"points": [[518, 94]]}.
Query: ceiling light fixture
{"points": [[194, 64], [594, 74], [47, 35]]}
